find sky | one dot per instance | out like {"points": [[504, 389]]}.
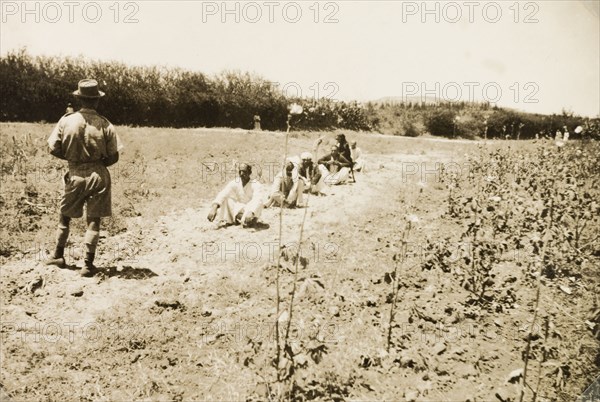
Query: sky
{"points": [[536, 56]]}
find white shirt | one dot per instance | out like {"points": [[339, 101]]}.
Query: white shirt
{"points": [[250, 193], [356, 153]]}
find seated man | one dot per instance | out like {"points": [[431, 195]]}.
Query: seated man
{"points": [[334, 167], [285, 189], [357, 157], [310, 174], [240, 200], [343, 147]]}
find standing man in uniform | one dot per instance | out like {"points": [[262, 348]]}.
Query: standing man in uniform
{"points": [[89, 143]]}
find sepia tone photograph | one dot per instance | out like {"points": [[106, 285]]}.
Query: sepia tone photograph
{"points": [[300, 200]]}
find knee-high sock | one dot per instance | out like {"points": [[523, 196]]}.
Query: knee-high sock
{"points": [[62, 234], [91, 240]]}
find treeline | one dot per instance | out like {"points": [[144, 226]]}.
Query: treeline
{"points": [[39, 88]]}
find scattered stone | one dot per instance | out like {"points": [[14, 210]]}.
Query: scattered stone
{"points": [[424, 387], [372, 301], [566, 289], [441, 372], [165, 303], [77, 293], [411, 395], [35, 284], [467, 370], [505, 395], [515, 375], [439, 348]]}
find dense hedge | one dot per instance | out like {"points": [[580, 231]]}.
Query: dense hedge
{"points": [[39, 88]]}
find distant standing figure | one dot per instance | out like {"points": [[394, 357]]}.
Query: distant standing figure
{"points": [[566, 134], [558, 139], [257, 122], [69, 109], [89, 142], [240, 200]]}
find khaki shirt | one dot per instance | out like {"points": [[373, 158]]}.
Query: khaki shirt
{"points": [[84, 137]]}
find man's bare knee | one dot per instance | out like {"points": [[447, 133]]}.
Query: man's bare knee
{"points": [[93, 223]]}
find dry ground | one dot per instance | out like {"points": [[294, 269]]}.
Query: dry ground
{"points": [[185, 311]]}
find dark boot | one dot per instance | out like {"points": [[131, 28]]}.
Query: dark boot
{"points": [[89, 268], [58, 259]]}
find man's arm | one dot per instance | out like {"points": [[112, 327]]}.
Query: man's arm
{"points": [[227, 192], [316, 175], [276, 186], [324, 160], [113, 146], [57, 152], [253, 206], [303, 173], [110, 160], [55, 141], [219, 199], [343, 162], [212, 214]]}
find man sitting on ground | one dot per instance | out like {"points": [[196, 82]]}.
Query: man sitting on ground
{"points": [[357, 157], [334, 167], [344, 149], [285, 189], [240, 200], [310, 174]]}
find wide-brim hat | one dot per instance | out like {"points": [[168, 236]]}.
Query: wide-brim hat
{"points": [[88, 89]]}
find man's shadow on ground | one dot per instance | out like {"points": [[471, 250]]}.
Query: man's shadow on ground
{"points": [[127, 272], [257, 227]]}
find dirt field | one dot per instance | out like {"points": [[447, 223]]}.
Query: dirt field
{"points": [[185, 311]]}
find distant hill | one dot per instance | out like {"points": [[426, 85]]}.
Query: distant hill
{"points": [[430, 100]]}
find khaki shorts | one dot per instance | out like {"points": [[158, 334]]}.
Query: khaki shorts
{"points": [[89, 185]]}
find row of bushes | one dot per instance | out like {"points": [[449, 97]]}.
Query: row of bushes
{"points": [[39, 88]]}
